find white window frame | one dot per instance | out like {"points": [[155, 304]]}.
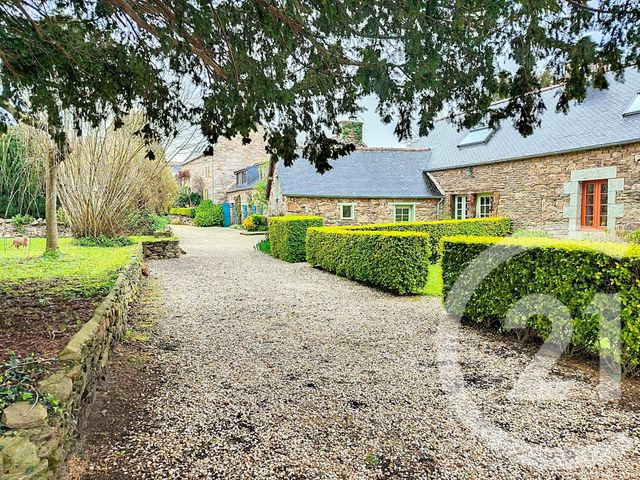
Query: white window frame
{"points": [[479, 198], [341, 211], [412, 211], [463, 206]]}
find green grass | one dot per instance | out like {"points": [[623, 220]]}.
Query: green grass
{"points": [[78, 271], [434, 284]]}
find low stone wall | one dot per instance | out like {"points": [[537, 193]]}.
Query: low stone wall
{"points": [[161, 249], [180, 220], [37, 442], [35, 229]]}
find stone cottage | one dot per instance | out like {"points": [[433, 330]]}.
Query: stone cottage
{"points": [[578, 174], [370, 185], [241, 196], [216, 174]]}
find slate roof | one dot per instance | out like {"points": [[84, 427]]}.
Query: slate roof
{"points": [[597, 122], [365, 173], [253, 177]]}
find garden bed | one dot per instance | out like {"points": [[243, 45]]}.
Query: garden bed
{"points": [[79, 303]]}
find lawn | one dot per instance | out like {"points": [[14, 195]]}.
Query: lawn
{"points": [[434, 283], [85, 271]]}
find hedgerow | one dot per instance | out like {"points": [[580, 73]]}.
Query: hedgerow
{"points": [[208, 214], [396, 261], [572, 272], [185, 212], [287, 236], [437, 229]]}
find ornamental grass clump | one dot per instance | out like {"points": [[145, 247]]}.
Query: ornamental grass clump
{"points": [[571, 272], [394, 261], [287, 236]]}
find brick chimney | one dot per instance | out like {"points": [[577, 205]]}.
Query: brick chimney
{"points": [[351, 132]]}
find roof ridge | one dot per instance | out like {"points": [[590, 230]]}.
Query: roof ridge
{"points": [[393, 149]]}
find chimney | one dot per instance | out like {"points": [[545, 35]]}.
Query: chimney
{"points": [[351, 132]]}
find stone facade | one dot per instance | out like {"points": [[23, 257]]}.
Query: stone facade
{"points": [[36, 444], [367, 210], [217, 170], [35, 229], [543, 193]]}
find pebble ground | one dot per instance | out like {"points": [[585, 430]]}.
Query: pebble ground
{"points": [[276, 370]]}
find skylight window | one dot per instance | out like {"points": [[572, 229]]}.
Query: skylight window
{"points": [[477, 136], [634, 108]]}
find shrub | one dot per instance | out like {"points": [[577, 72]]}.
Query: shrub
{"points": [[208, 214], [255, 223], [21, 220], [633, 237], [288, 236], [522, 233], [396, 261], [187, 198], [103, 241], [491, 227], [146, 223], [184, 211], [569, 271], [264, 246]]}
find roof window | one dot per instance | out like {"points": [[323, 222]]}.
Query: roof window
{"points": [[477, 136], [634, 108]]}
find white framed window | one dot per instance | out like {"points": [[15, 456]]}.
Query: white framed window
{"points": [[347, 211], [460, 207], [484, 205], [404, 213]]}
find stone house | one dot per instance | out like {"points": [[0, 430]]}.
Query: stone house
{"points": [[241, 196], [578, 174], [216, 174], [370, 185]]}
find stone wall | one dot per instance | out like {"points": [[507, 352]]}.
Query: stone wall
{"points": [[161, 249], [367, 210], [36, 445], [182, 219], [37, 228], [539, 193]]}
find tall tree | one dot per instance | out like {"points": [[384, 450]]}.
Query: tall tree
{"points": [[71, 70], [298, 65]]}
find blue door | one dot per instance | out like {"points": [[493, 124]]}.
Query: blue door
{"points": [[226, 214], [244, 211]]}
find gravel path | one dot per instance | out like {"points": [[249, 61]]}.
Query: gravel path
{"points": [[283, 371]]}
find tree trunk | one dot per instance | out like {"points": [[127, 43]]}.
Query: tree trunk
{"points": [[52, 202]]}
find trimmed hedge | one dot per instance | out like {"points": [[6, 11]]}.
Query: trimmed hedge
{"points": [[489, 227], [184, 212], [208, 214], [288, 236], [569, 271], [396, 261]]}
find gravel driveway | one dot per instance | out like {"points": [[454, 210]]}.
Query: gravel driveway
{"points": [[277, 370]]}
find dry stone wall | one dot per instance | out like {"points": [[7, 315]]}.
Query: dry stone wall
{"points": [[37, 442]]}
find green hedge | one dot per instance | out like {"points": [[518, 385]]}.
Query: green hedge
{"points": [[489, 227], [288, 235], [569, 271], [208, 214], [396, 261], [185, 212]]}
